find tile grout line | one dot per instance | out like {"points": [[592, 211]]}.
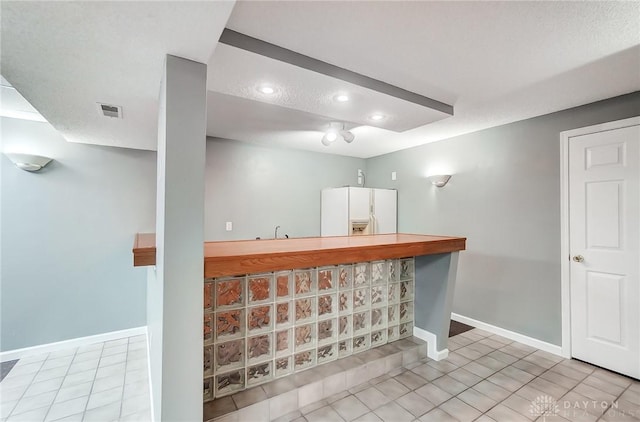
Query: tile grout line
{"points": [[483, 379], [124, 381], [93, 382], [59, 388], [29, 385]]}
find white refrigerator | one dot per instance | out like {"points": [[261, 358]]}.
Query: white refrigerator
{"points": [[350, 211]]}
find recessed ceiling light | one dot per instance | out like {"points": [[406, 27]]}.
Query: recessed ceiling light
{"points": [[376, 117], [266, 89], [341, 98]]}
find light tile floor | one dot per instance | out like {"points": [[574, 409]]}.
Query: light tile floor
{"points": [[101, 382], [485, 378]]}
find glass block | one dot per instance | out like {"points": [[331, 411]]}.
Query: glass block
{"points": [[327, 279], [284, 342], [305, 309], [260, 288], [305, 336], [304, 282], [393, 314], [360, 299], [229, 324], [394, 293], [260, 347], [304, 360], [394, 274], [406, 330], [208, 295], [284, 317], [345, 276], [207, 389], [406, 269], [327, 353], [284, 288], [283, 366], [208, 361], [393, 333], [361, 343], [345, 301], [229, 292], [360, 322], [327, 305], [259, 318], [229, 383], [345, 348], [379, 295], [378, 318], [208, 328], [406, 311], [229, 355], [260, 373], [378, 338], [327, 331], [406, 290], [378, 273], [361, 274], [345, 324]]}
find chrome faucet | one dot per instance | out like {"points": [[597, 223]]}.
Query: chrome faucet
{"points": [[276, 233]]}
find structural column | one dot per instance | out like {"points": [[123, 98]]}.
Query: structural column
{"points": [[175, 291], [435, 281]]}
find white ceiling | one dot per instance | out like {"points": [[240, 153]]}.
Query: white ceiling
{"points": [[495, 62], [65, 57]]}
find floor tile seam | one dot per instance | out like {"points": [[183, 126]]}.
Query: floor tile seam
{"points": [[124, 381], [93, 382], [571, 390], [27, 388], [520, 358], [59, 388], [22, 395]]}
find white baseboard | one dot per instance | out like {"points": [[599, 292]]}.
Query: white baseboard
{"points": [[511, 335], [430, 338], [74, 342]]}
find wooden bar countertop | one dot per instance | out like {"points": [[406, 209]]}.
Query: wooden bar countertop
{"points": [[238, 257]]}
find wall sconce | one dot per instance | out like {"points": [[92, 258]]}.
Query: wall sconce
{"points": [[439, 180], [28, 162]]}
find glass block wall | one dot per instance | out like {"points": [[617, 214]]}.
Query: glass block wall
{"points": [[261, 327]]}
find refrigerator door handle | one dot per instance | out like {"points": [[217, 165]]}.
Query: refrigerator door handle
{"points": [[372, 224]]}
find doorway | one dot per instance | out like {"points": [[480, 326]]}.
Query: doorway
{"points": [[601, 245]]}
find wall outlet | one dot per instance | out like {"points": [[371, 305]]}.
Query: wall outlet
{"points": [[229, 226], [359, 176], [393, 175]]}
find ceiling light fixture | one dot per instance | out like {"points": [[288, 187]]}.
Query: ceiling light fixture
{"points": [[376, 117], [337, 130], [266, 89], [341, 98]]}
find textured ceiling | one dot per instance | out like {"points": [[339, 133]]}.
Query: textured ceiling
{"points": [[495, 62], [65, 57]]}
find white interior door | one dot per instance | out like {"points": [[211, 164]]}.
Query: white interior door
{"points": [[604, 238]]}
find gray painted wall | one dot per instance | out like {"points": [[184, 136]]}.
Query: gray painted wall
{"points": [[66, 236], [504, 196], [258, 188]]}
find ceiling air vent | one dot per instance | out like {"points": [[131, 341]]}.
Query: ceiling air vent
{"points": [[109, 110]]}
